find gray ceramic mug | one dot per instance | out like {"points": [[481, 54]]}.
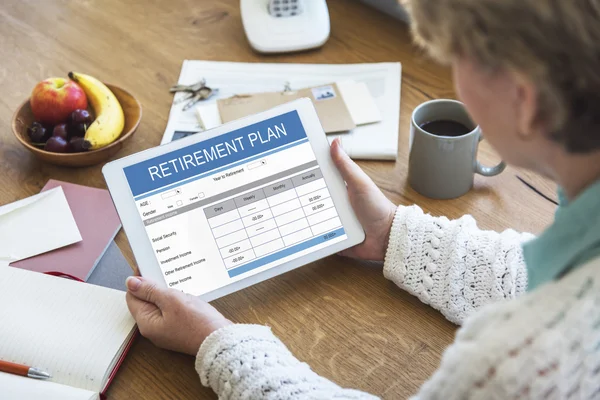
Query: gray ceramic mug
{"points": [[444, 167]]}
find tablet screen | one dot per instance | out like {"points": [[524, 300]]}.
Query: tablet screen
{"points": [[235, 205]]}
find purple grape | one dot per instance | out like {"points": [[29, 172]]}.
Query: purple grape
{"points": [[57, 144], [38, 134], [76, 129], [76, 144], [80, 116], [61, 131]]}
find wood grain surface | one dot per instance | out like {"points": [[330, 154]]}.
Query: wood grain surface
{"points": [[341, 316]]}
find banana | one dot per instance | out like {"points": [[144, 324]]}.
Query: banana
{"points": [[109, 121]]}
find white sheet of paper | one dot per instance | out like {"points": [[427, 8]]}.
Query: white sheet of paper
{"points": [[36, 225], [359, 101], [208, 115], [374, 141]]}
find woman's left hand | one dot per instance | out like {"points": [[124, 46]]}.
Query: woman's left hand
{"points": [[374, 211], [169, 318]]}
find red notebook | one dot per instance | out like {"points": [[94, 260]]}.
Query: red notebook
{"points": [[121, 357], [76, 331], [98, 223]]}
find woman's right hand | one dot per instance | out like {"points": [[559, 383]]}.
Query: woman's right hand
{"points": [[374, 211], [171, 319]]}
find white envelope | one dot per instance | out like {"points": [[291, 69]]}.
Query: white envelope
{"points": [[36, 225]]}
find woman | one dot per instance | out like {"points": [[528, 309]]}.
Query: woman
{"points": [[529, 73]]}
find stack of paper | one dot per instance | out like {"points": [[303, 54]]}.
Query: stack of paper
{"points": [[98, 223], [341, 106], [327, 100], [66, 229], [378, 140]]}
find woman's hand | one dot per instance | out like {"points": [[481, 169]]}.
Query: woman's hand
{"points": [[180, 322], [169, 318], [374, 211]]}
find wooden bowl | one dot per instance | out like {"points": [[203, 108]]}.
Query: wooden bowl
{"points": [[132, 109]]}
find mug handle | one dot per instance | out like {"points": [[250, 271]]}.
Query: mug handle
{"points": [[489, 171]]}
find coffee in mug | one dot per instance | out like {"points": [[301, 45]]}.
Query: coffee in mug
{"points": [[443, 150], [445, 128]]}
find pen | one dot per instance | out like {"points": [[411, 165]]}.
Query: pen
{"points": [[23, 370]]}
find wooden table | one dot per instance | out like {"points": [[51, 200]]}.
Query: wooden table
{"points": [[341, 316]]}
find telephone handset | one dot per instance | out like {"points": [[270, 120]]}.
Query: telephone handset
{"points": [[280, 26]]}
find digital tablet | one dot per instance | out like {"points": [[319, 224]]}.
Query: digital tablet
{"points": [[216, 212]]}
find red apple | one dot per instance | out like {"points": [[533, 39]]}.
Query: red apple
{"points": [[54, 99]]}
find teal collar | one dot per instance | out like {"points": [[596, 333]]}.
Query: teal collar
{"points": [[572, 240]]}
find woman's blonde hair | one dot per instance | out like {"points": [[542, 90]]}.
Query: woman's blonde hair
{"points": [[555, 43]]}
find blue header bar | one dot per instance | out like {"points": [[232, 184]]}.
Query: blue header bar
{"points": [[214, 153]]}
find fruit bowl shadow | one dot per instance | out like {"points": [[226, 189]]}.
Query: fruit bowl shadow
{"points": [[132, 109]]}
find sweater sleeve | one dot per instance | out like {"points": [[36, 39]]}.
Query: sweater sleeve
{"points": [[249, 362], [453, 265]]}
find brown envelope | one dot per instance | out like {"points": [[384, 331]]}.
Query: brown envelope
{"points": [[328, 102]]}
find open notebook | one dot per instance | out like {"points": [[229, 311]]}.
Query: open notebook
{"points": [[78, 332]]}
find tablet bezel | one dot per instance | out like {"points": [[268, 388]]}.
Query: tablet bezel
{"points": [[134, 227]]}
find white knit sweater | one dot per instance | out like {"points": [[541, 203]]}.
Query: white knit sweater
{"points": [[542, 345]]}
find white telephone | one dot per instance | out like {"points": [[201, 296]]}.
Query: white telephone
{"points": [[280, 26]]}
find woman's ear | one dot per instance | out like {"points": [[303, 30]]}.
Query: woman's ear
{"points": [[525, 107]]}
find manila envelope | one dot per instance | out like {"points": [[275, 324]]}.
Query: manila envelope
{"points": [[35, 225], [331, 108]]}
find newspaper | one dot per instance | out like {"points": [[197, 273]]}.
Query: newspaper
{"points": [[376, 141]]}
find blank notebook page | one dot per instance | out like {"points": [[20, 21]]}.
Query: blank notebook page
{"points": [[14, 387], [72, 329]]}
